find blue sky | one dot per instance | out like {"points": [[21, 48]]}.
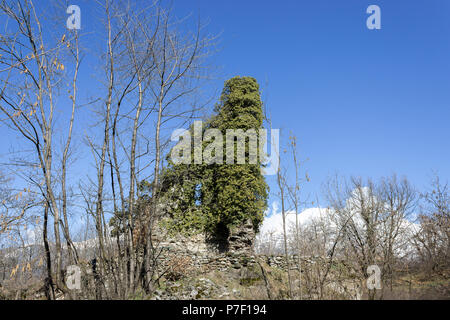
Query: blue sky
{"points": [[361, 102]]}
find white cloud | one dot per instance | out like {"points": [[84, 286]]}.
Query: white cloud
{"points": [[274, 222], [272, 226]]}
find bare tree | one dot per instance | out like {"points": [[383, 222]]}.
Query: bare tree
{"points": [[33, 69], [372, 218], [294, 194], [282, 187], [179, 70], [399, 201], [153, 72], [432, 240], [13, 207]]}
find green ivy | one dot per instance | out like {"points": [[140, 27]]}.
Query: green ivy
{"points": [[199, 197]]}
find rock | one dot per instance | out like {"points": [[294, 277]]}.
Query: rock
{"points": [[241, 239]]}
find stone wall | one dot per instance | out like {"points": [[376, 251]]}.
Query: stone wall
{"points": [[196, 254]]}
